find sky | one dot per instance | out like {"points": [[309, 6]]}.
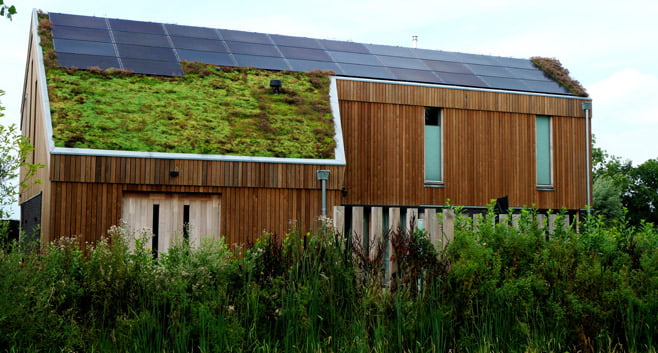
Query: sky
{"points": [[609, 46]]}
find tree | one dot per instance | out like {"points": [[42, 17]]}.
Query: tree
{"points": [[14, 150], [641, 195], [7, 10]]}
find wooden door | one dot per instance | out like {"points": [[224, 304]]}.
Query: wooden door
{"points": [[168, 218]]}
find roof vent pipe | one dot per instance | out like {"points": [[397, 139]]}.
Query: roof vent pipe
{"points": [[414, 41]]}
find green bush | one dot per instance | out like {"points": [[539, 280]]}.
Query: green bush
{"points": [[495, 289]]}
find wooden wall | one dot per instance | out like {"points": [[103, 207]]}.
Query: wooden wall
{"points": [[488, 147], [88, 210]]}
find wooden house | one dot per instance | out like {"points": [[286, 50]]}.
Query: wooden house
{"points": [[413, 129]]}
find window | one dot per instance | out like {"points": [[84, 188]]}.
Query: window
{"points": [[433, 146], [543, 151]]}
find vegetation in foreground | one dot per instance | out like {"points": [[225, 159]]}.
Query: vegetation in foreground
{"points": [[497, 289]]}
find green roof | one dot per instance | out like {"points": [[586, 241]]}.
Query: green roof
{"points": [[211, 110]]}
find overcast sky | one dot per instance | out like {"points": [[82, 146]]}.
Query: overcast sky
{"points": [[609, 46]]}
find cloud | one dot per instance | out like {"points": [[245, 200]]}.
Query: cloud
{"points": [[629, 95]]}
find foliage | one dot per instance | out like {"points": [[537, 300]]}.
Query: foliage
{"points": [[554, 69], [209, 111], [496, 288], [14, 150], [635, 186], [7, 10]]}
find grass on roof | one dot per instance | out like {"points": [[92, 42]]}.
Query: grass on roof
{"points": [[228, 111]]}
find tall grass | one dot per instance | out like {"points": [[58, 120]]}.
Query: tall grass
{"points": [[494, 289]]}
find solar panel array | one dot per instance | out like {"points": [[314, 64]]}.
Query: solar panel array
{"points": [[158, 49]]}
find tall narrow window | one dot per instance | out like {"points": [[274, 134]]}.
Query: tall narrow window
{"points": [[433, 152], [543, 151], [156, 229]]}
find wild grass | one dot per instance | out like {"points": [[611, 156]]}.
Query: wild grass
{"points": [[497, 289], [211, 110]]}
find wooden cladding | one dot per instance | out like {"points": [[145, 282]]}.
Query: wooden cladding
{"points": [[152, 171], [418, 95], [88, 210], [485, 155]]}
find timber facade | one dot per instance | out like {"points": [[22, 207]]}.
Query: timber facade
{"points": [[488, 149]]}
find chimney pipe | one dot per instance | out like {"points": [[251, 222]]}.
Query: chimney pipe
{"points": [[414, 41]]}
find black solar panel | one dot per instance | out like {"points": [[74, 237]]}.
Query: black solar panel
{"points": [[415, 75], [252, 49], [82, 61], [303, 53], [367, 71], [83, 47], [390, 51], [77, 21], [81, 33], [146, 39], [153, 48], [310, 65], [199, 44], [221, 59], [262, 62], [349, 47], [151, 67], [136, 26], [355, 58], [149, 53], [461, 79], [192, 32], [405, 63], [300, 42], [447, 66], [488, 70], [247, 37]]}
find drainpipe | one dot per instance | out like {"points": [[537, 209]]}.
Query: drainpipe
{"points": [[323, 176], [587, 107]]}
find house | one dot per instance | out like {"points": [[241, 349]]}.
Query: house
{"points": [[412, 130]]}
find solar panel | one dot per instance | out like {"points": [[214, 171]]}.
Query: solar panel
{"points": [[82, 61], [461, 79], [518, 63], [136, 26], [151, 67], [488, 70], [84, 41], [247, 37], [447, 66], [406, 63], [147, 39], [299, 42], [77, 21], [504, 83], [80, 33], [350, 47], [433, 54], [354, 58], [199, 44], [367, 71], [192, 32], [304, 53], [83, 47], [390, 50], [149, 53], [221, 59], [261, 62], [252, 49], [546, 87], [310, 65], [528, 74], [415, 75]]}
